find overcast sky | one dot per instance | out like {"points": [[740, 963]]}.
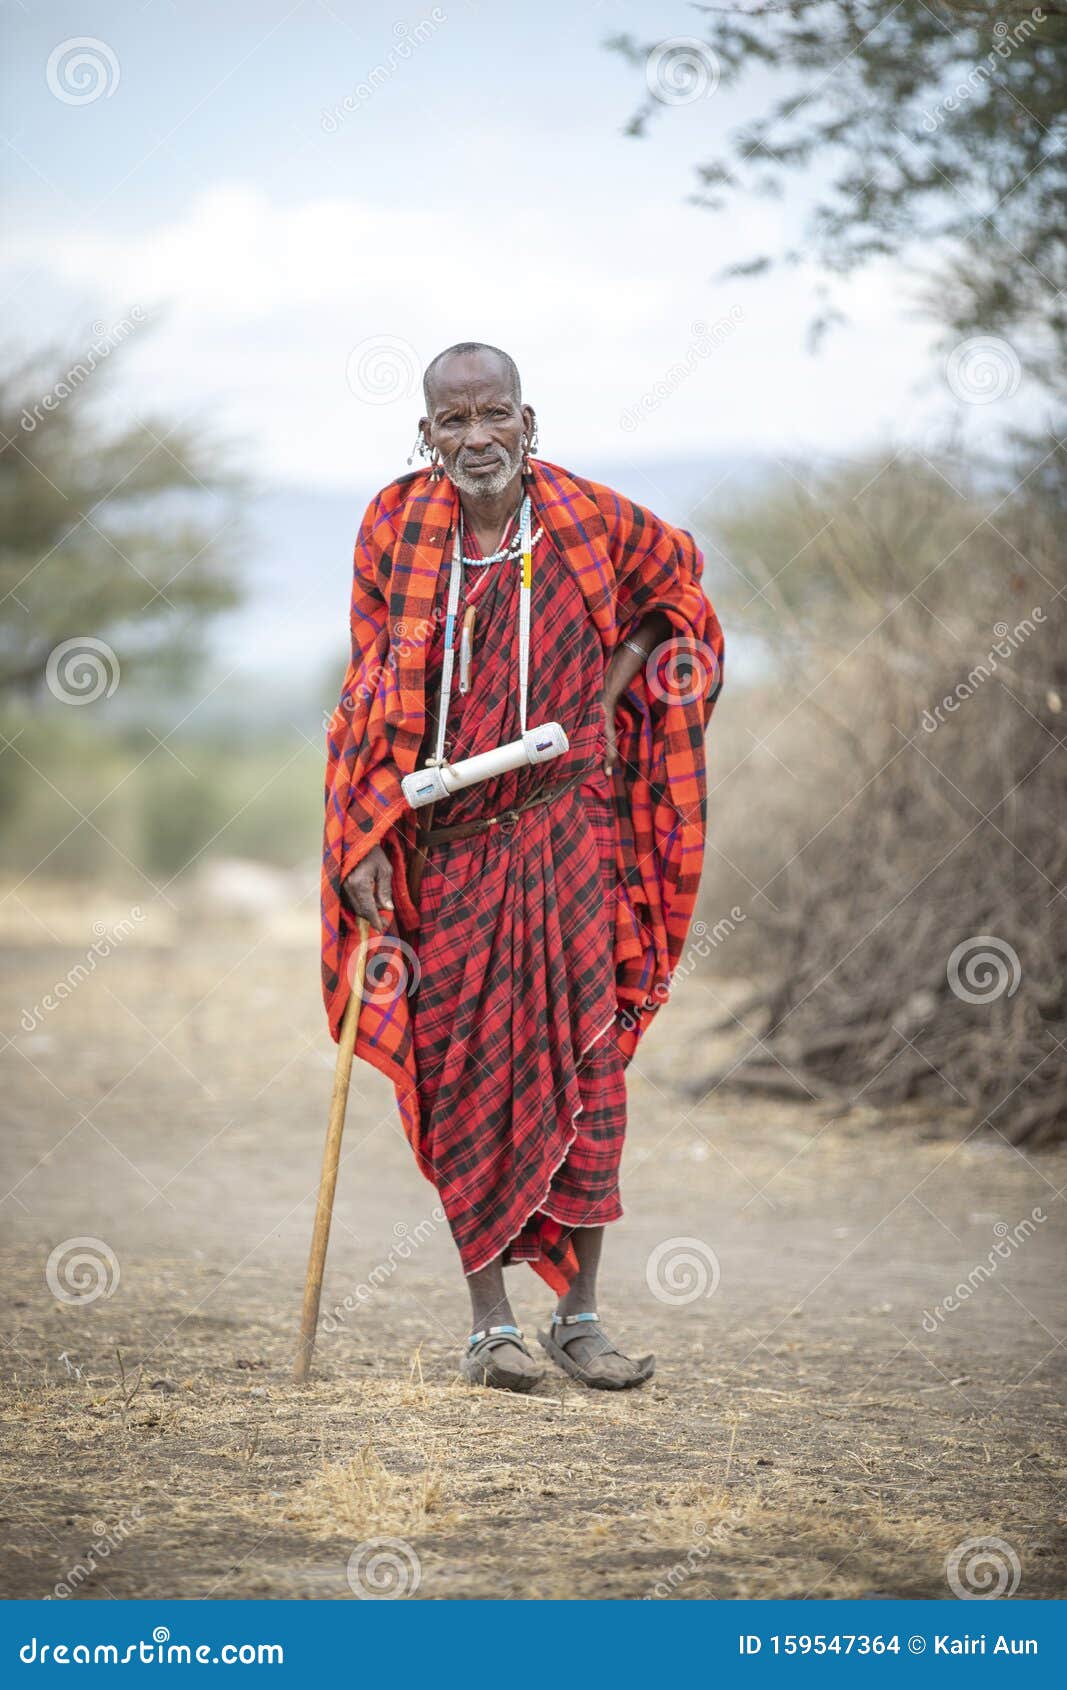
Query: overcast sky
{"points": [[283, 264]]}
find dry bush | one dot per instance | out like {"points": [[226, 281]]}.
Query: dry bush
{"points": [[898, 837]]}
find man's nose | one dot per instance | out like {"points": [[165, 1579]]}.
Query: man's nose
{"points": [[477, 437]]}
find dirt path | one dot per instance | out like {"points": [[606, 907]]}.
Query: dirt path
{"points": [[807, 1434]]}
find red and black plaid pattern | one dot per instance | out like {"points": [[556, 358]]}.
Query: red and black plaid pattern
{"points": [[520, 1084], [626, 562]]}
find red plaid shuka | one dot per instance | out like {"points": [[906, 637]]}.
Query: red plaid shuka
{"points": [[505, 1007]]}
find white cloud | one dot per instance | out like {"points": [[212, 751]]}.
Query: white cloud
{"points": [[265, 300]]}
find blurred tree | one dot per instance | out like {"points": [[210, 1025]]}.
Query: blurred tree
{"points": [[126, 537], [826, 552], [936, 121]]}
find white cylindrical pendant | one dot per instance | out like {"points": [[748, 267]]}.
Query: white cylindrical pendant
{"points": [[537, 745]]}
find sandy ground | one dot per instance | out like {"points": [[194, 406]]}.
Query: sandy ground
{"points": [[808, 1432]]}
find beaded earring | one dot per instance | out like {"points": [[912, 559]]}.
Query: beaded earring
{"points": [[528, 446], [420, 450]]}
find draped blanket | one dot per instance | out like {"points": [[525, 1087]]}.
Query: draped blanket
{"points": [[641, 837], [522, 1096]]}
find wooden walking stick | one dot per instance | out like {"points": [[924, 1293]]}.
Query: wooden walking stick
{"points": [[331, 1156]]}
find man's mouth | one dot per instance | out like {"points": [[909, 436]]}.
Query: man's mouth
{"points": [[480, 466]]}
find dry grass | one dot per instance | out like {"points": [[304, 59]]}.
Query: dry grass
{"points": [[362, 1497], [802, 1436], [662, 1496]]}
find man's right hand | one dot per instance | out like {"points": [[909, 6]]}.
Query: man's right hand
{"points": [[369, 888]]}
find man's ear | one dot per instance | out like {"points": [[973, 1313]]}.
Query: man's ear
{"points": [[529, 421], [424, 429]]}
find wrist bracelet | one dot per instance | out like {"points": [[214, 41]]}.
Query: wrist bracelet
{"points": [[638, 650]]}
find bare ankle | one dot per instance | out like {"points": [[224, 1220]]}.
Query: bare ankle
{"points": [[497, 1314], [489, 1299], [580, 1298]]}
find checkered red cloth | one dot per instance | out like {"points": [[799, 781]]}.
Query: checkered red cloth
{"points": [[522, 1100], [504, 1009]]}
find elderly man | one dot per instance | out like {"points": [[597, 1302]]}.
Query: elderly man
{"points": [[524, 930]]}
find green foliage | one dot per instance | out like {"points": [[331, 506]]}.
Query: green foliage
{"points": [[938, 121], [127, 536]]}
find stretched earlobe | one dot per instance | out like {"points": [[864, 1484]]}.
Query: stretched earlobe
{"points": [[528, 446], [421, 450]]}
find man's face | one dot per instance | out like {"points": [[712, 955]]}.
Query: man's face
{"points": [[476, 423]]}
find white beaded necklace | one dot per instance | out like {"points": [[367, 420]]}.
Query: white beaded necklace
{"points": [[455, 588], [511, 549]]}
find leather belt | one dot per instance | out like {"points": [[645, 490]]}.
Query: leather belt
{"points": [[471, 829]]}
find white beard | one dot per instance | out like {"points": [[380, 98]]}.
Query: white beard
{"points": [[487, 486]]}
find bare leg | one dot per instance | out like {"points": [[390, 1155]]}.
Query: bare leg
{"points": [[490, 1307], [580, 1298], [581, 1295], [489, 1299]]}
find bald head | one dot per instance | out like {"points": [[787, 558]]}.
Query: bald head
{"points": [[481, 356], [476, 421]]}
